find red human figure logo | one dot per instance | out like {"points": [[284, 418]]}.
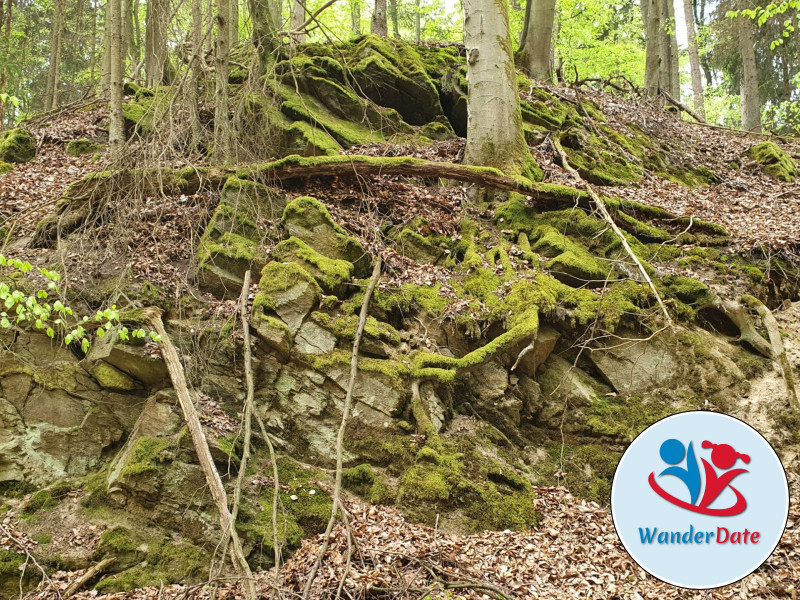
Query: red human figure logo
{"points": [[724, 457]]}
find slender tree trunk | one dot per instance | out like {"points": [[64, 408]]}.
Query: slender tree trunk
{"points": [[93, 55], [355, 17], [105, 76], [54, 72], [751, 104], [4, 51], [298, 18], [379, 25], [418, 22], [222, 129], [537, 50], [694, 60], [116, 52], [234, 24], [276, 10], [194, 81], [262, 15], [526, 24], [652, 75], [665, 74], [155, 46], [674, 55], [393, 15], [494, 123]]}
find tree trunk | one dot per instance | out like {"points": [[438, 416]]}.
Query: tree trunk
{"points": [[116, 52], [298, 18], [355, 17], [526, 24], [418, 22], [494, 123], [652, 75], [674, 56], [93, 54], [665, 75], [694, 60], [233, 25], [155, 42], [6, 45], [393, 14], [222, 129], [54, 72], [262, 15], [379, 25], [195, 65], [751, 105], [537, 50], [105, 76]]}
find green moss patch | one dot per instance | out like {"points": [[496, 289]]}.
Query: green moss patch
{"points": [[774, 161], [83, 146], [17, 146], [331, 274], [5, 167], [148, 453]]}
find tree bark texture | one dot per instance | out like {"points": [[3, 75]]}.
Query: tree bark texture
{"points": [[54, 72], [494, 122], [394, 16], [116, 54], [298, 18], [694, 60], [674, 57], [751, 105], [652, 76], [355, 17], [539, 40], [222, 132], [155, 42], [262, 15], [379, 25], [233, 24]]}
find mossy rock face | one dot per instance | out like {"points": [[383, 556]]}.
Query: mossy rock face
{"points": [[331, 274], [596, 161], [308, 220], [288, 291], [390, 73], [17, 146], [774, 161], [83, 146], [421, 249], [570, 262]]}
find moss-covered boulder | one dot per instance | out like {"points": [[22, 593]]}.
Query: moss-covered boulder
{"points": [[331, 274], [83, 146], [288, 291], [308, 220], [422, 249], [774, 161], [17, 146], [569, 261]]}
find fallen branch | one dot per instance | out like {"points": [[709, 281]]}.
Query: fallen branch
{"points": [[88, 576], [337, 504], [213, 480], [677, 104], [603, 210]]}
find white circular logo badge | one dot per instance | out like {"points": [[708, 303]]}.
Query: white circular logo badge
{"points": [[700, 500]]}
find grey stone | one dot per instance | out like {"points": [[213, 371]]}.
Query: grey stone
{"points": [[313, 339], [636, 366], [295, 304], [545, 343]]}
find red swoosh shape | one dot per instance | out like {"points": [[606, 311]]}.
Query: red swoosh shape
{"points": [[739, 507]]}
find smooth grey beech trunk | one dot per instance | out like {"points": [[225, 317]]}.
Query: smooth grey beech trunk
{"points": [[298, 18], [379, 25], [537, 51], [155, 42], [652, 21], [751, 104], [494, 124], [694, 60]]}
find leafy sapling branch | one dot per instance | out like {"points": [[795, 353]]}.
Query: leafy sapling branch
{"points": [[21, 309]]}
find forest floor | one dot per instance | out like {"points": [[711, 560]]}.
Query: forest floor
{"points": [[575, 551]]}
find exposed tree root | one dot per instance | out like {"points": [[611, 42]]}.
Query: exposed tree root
{"points": [[337, 504], [603, 210], [213, 480], [739, 317], [424, 423], [90, 195], [779, 352]]}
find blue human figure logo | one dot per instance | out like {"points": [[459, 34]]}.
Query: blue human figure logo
{"points": [[672, 453]]}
